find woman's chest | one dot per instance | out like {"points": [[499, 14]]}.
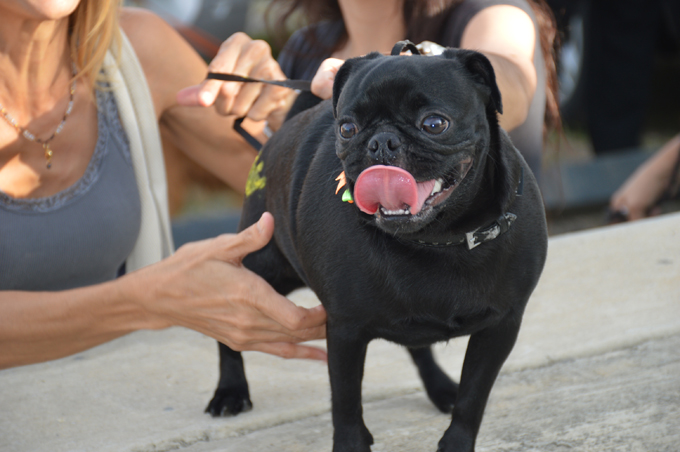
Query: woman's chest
{"points": [[24, 171]]}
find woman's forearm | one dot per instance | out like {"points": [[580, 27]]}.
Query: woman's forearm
{"points": [[203, 286], [40, 326], [641, 191]]}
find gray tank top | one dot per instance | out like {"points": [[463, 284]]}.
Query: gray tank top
{"points": [[82, 235]]}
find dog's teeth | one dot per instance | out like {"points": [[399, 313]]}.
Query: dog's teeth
{"points": [[395, 212], [437, 187]]}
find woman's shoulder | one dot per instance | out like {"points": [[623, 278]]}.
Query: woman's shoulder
{"points": [[478, 5], [146, 31], [458, 17], [168, 61]]}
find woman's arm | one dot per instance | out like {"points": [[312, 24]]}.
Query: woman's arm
{"points": [[202, 287], [644, 187], [506, 35], [170, 64], [40, 326]]}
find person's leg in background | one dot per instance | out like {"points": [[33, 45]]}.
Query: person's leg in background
{"points": [[622, 36]]}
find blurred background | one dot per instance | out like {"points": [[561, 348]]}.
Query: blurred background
{"points": [[619, 73]]}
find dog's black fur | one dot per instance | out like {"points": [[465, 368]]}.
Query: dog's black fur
{"points": [[370, 272]]}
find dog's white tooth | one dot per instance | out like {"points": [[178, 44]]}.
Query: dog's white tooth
{"points": [[395, 212], [437, 187]]}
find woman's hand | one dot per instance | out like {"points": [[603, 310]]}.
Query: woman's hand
{"points": [[204, 287], [322, 83], [246, 57]]}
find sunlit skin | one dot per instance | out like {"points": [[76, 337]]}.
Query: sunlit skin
{"points": [[203, 286], [637, 196]]}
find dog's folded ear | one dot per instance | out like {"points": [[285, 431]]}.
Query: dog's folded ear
{"points": [[480, 67], [345, 71]]}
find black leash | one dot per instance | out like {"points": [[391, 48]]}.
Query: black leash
{"points": [[299, 85]]}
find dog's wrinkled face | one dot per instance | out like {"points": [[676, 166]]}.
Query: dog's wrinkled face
{"points": [[409, 130]]}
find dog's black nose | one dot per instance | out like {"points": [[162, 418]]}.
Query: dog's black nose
{"points": [[384, 146]]}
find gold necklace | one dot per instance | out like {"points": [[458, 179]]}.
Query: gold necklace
{"points": [[31, 137]]}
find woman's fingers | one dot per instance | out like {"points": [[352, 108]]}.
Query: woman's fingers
{"points": [[322, 83], [191, 97], [239, 55], [225, 61], [233, 248], [263, 307], [274, 312], [204, 287], [299, 322], [293, 351]]}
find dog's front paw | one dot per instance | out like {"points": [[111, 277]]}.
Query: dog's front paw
{"points": [[351, 440], [229, 401]]}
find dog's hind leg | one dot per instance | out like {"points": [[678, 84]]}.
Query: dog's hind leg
{"points": [[232, 395], [486, 352], [441, 390]]}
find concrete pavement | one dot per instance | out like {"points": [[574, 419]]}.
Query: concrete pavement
{"points": [[596, 368]]}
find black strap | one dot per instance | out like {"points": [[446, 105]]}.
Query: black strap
{"points": [[246, 136], [300, 85], [405, 45]]}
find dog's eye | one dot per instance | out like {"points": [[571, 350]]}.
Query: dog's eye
{"points": [[435, 125], [348, 129]]}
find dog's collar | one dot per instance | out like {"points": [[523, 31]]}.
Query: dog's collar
{"points": [[474, 238], [481, 235]]}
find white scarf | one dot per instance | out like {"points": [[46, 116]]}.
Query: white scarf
{"points": [[136, 110]]}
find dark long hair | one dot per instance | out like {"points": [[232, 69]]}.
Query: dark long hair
{"points": [[424, 20]]}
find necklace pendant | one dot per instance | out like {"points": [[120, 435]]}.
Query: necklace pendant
{"points": [[31, 137], [48, 155]]}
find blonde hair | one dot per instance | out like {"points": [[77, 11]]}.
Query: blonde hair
{"points": [[93, 30]]}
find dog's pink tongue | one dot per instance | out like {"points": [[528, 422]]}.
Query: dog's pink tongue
{"points": [[390, 187]]}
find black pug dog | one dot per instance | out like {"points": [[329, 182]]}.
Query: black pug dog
{"points": [[405, 207]]}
